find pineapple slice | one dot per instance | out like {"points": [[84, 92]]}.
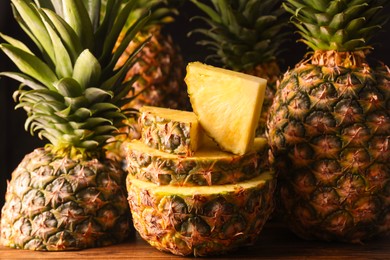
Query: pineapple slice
{"points": [[204, 220], [170, 130], [209, 166], [227, 103]]}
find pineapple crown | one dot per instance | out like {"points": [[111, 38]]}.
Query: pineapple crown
{"points": [[71, 92], [161, 12], [338, 25], [242, 34]]}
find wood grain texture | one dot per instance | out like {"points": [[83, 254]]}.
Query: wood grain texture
{"points": [[275, 242]]}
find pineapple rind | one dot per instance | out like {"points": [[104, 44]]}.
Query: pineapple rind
{"points": [[209, 166], [204, 220], [57, 204], [228, 104], [170, 130]]}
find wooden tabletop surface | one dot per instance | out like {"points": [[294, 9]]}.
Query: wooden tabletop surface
{"points": [[275, 242]]}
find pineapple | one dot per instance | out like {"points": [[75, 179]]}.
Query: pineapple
{"points": [[209, 202], [170, 130], [68, 195], [208, 166], [228, 104], [246, 36], [329, 126], [160, 63], [205, 220]]}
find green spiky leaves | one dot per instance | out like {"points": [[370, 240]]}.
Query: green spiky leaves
{"points": [[70, 91], [161, 11], [242, 34], [341, 25]]}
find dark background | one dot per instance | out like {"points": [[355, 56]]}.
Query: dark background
{"points": [[15, 142]]}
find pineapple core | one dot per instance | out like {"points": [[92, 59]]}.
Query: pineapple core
{"points": [[227, 103]]}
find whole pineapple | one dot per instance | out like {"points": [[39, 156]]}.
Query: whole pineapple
{"points": [[329, 125], [68, 195], [160, 63], [246, 36]]}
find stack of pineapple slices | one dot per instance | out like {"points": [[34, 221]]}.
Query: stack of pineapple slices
{"points": [[189, 194]]}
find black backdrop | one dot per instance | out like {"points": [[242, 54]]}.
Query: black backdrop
{"points": [[15, 142]]}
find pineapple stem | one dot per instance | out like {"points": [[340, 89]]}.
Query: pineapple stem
{"points": [[333, 58], [74, 153]]}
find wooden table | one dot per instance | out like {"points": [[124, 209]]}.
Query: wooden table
{"points": [[275, 242]]}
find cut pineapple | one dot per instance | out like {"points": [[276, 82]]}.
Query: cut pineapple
{"points": [[227, 103], [170, 130], [203, 220], [209, 166]]}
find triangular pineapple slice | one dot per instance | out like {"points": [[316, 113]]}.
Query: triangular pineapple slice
{"points": [[227, 103]]}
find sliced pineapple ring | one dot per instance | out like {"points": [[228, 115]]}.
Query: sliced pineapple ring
{"points": [[228, 104], [170, 130], [208, 166], [201, 220]]}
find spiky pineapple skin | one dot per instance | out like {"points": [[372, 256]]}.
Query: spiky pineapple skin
{"points": [[167, 134], [57, 204], [272, 73], [216, 168], [329, 132], [200, 224]]}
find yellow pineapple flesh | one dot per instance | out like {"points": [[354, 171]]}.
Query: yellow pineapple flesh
{"points": [[228, 104]]}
